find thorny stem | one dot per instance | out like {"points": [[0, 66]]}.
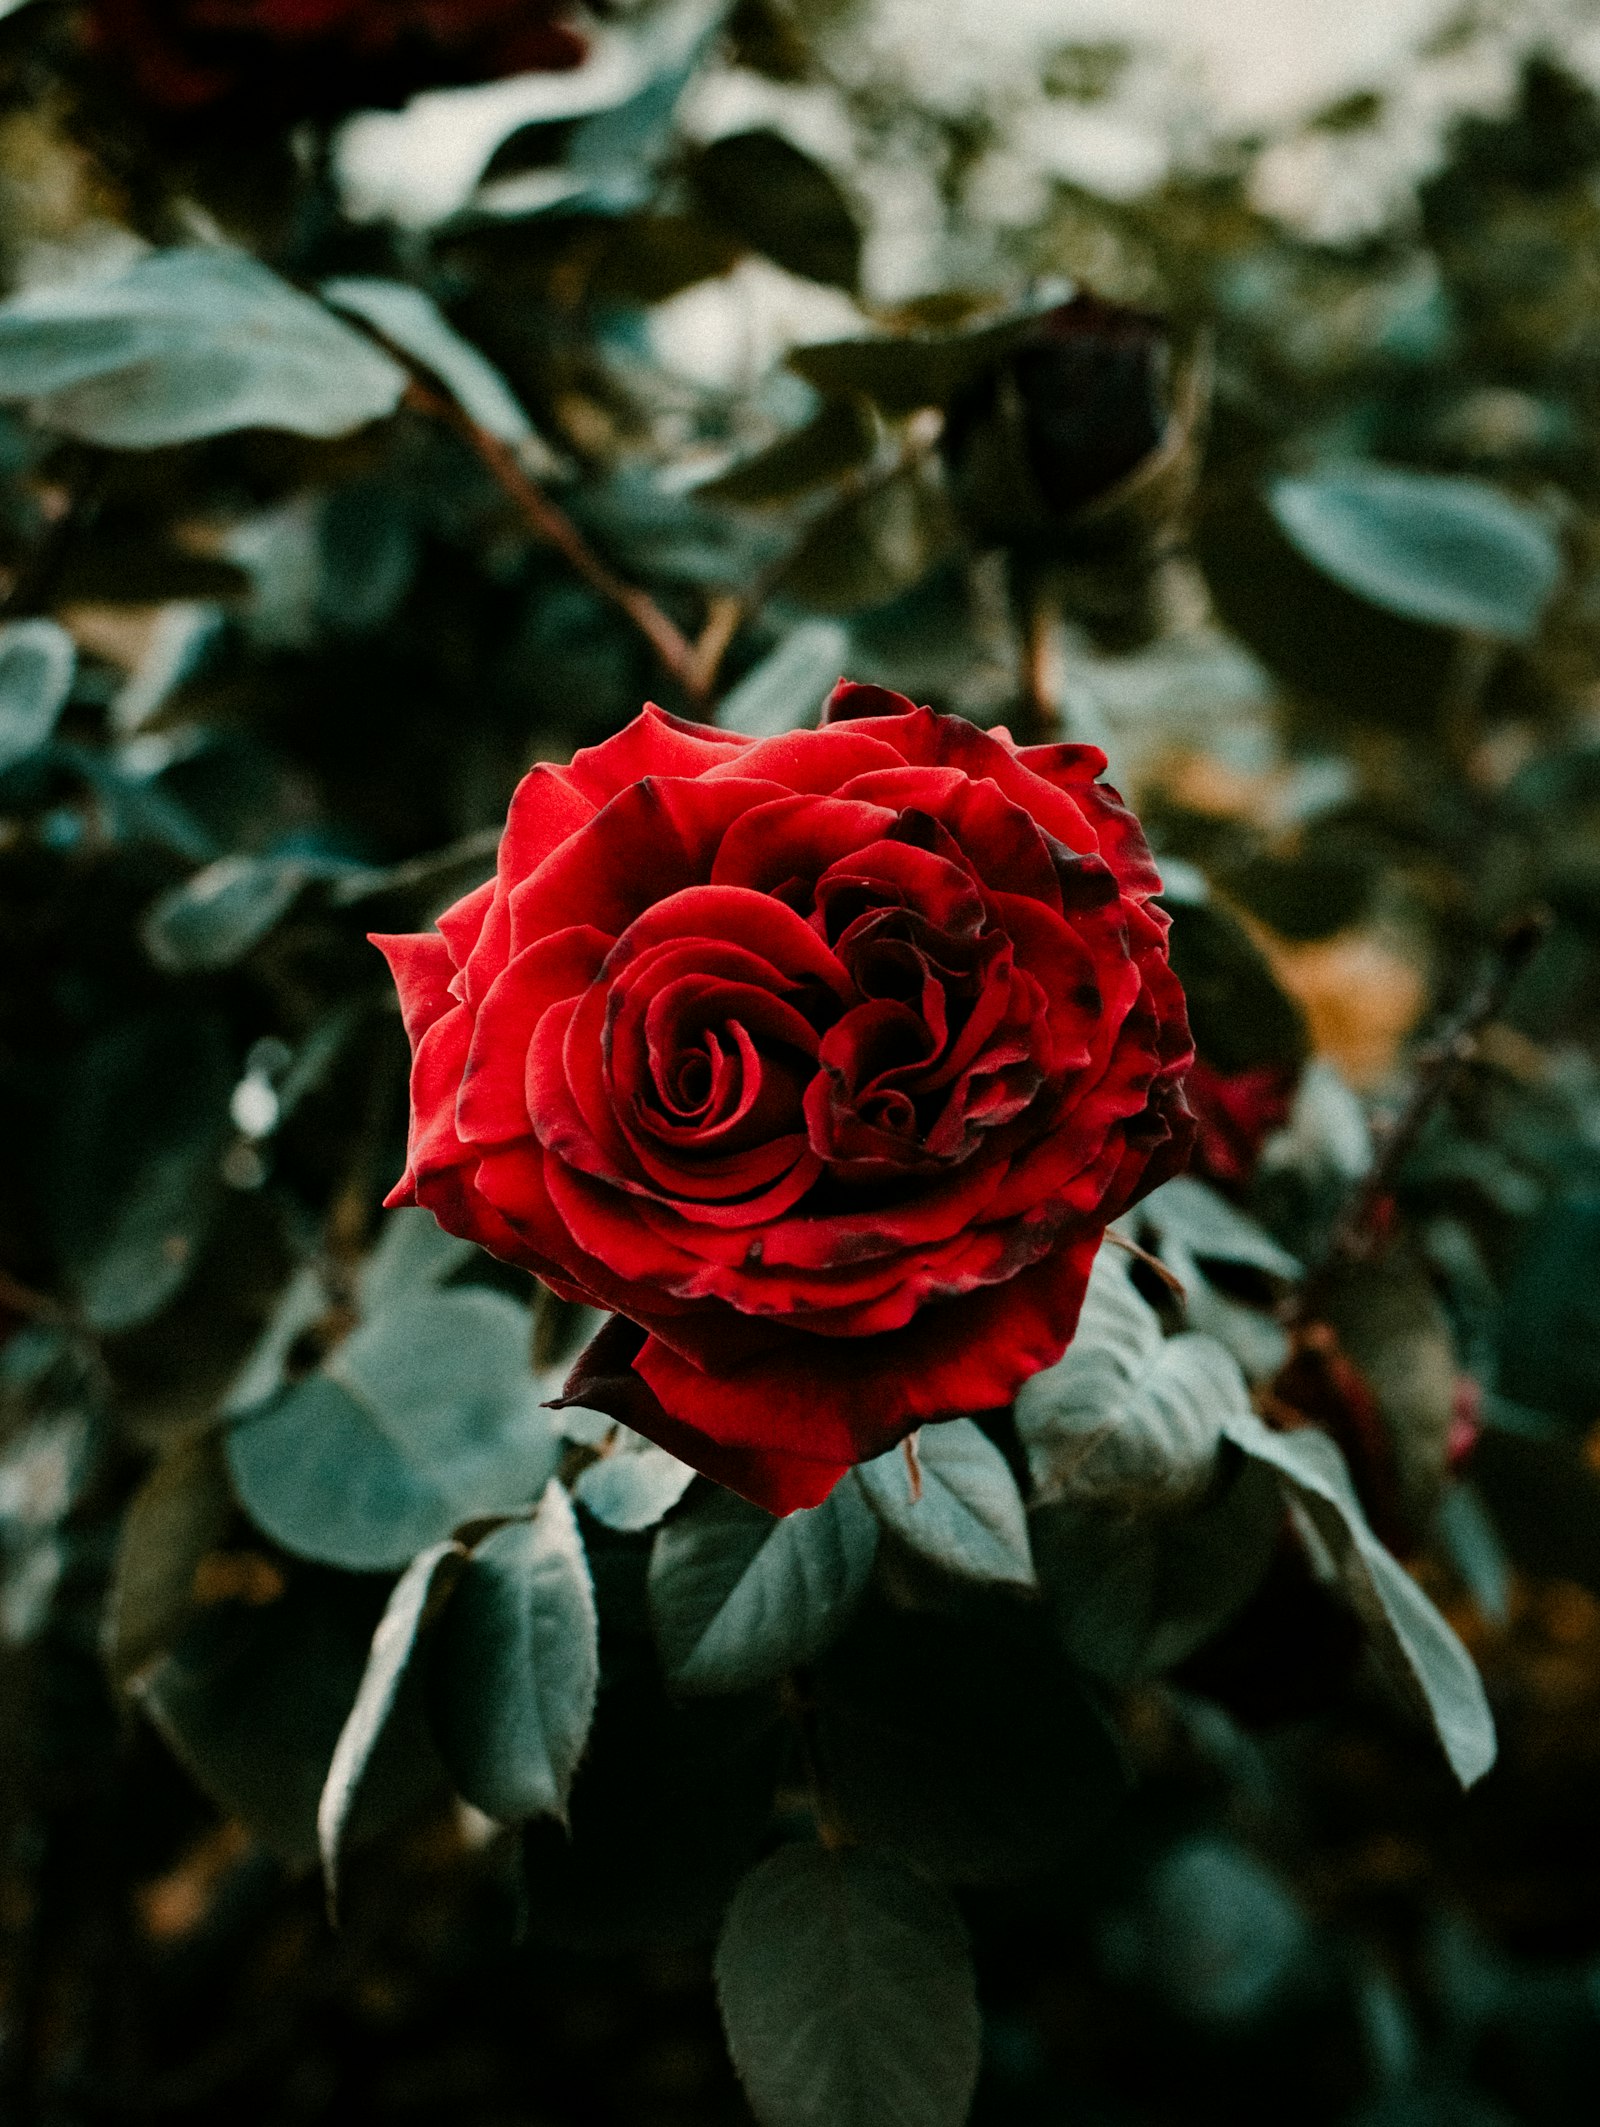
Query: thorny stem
{"points": [[1438, 1067], [693, 664], [689, 664]]}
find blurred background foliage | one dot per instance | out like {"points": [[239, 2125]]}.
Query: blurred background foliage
{"points": [[1254, 443]]}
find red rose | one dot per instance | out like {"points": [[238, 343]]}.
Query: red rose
{"points": [[823, 1060], [292, 58]]}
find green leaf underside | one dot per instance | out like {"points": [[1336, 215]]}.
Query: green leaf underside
{"points": [[847, 1993], [37, 661], [416, 325], [1133, 1595], [1418, 1646], [215, 917], [189, 343], [633, 1484], [1452, 552], [737, 1597], [518, 1666], [427, 1415], [415, 1594], [968, 1515], [1127, 1416]]}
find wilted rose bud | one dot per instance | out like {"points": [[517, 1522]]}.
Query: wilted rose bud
{"points": [[1060, 429]]}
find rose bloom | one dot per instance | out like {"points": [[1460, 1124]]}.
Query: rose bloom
{"points": [[283, 58], [822, 1060]]}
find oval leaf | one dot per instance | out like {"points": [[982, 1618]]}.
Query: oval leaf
{"points": [[1128, 1417], [961, 1508], [416, 1596], [178, 1514], [1423, 1653], [424, 1417], [784, 205], [416, 325], [214, 918], [1453, 552], [633, 1484], [37, 660], [848, 1995], [519, 1666], [189, 343], [737, 1597]]}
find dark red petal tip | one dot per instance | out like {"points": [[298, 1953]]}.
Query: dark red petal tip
{"points": [[853, 698]]}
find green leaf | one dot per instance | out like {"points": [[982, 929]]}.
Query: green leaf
{"points": [[178, 1514], [416, 325], [871, 547], [963, 1512], [848, 1994], [1421, 1650], [737, 1597], [143, 1117], [1447, 551], [633, 1483], [784, 205], [787, 689], [426, 1415], [1195, 1220], [37, 661], [413, 1601], [1127, 1417], [214, 918], [1189, 1225], [1132, 1594], [253, 1700], [901, 373], [518, 1667], [836, 440], [189, 343], [414, 1254]]}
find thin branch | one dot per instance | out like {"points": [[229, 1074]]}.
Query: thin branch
{"points": [[1039, 688], [549, 522], [733, 609], [1438, 1068], [474, 852]]}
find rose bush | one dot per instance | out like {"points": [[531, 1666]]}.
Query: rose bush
{"points": [[822, 1060], [289, 57]]}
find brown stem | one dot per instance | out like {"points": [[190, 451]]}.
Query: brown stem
{"points": [[546, 520], [1438, 1068], [732, 609], [1039, 690]]}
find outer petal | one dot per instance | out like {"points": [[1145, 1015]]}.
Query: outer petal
{"points": [[653, 744], [851, 1399], [421, 966], [604, 1380]]}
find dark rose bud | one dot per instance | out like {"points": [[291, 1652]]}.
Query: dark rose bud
{"points": [[1062, 424], [275, 60]]}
